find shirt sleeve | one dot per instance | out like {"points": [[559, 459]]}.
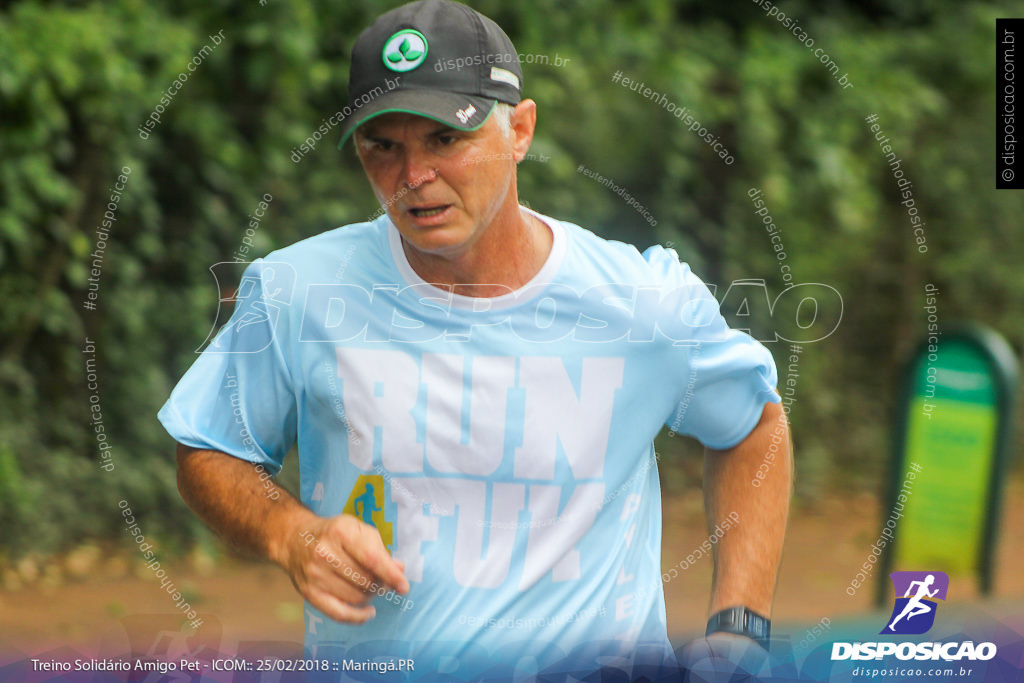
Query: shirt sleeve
{"points": [[238, 397], [725, 376]]}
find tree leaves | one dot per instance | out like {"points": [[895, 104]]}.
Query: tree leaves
{"points": [[76, 82]]}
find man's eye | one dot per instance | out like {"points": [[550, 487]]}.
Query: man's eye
{"points": [[446, 140], [384, 145]]}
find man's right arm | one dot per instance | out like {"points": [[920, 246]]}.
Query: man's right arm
{"points": [[335, 563]]}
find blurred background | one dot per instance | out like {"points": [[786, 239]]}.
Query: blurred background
{"points": [[78, 81]]}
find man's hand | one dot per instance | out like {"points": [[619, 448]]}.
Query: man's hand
{"points": [[335, 563], [339, 564], [721, 656]]}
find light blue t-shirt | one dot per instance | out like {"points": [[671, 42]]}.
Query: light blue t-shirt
{"points": [[502, 446]]}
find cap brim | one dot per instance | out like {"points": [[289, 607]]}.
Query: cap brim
{"points": [[439, 105]]}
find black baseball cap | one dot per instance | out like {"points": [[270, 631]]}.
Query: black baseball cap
{"points": [[433, 58]]}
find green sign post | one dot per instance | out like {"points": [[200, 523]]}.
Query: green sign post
{"points": [[951, 452]]}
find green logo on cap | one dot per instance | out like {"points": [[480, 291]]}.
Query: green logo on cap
{"points": [[405, 50]]}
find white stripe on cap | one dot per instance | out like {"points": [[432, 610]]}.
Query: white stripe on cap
{"points": [[505, 76]]}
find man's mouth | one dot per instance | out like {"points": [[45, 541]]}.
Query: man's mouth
{"points": [[426, 212]]}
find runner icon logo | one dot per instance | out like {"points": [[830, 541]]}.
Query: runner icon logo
{"points": [[914, 612]]}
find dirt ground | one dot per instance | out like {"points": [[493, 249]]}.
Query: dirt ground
{"points": [[825, 547]]}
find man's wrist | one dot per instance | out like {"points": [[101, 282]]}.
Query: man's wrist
{"points": [[294, 523], [741, 621]]}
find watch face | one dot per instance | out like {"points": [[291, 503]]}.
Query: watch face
{"points": [[740, 620]]}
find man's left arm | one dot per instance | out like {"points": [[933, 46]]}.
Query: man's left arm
{"points": [[754, 480]]}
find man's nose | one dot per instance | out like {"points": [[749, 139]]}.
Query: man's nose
{"points": [[418, 168]]}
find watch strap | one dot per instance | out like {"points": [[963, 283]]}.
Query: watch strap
{"points": [[741, 621]]}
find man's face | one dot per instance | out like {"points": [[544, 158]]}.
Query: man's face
{"points": [[443, 187]]}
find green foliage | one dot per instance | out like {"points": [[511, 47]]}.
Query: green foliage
{"points": [[77, 80]]}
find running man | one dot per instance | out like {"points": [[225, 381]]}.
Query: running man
{"points": [[500, 375], [916, 605], [365, 505]]}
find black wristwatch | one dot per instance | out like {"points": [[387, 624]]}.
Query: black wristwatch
{"points": [[743, 622]]}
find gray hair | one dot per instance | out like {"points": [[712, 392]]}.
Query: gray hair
{"points": [[503, 117]]}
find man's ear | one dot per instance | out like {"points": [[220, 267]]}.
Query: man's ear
{"points": [[523, 119]]}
